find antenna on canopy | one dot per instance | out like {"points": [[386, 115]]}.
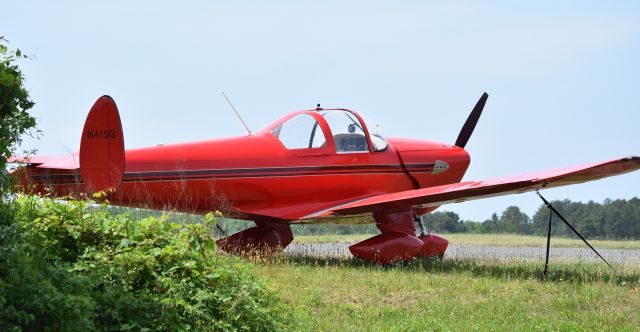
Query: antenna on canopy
{"points": [[238, 114]]}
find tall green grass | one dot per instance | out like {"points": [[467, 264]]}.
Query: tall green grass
{"points": [[454, 294]]}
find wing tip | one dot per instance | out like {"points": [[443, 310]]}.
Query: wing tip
{"points": [[635, 159]]}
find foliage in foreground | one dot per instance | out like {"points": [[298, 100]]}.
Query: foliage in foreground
{"points": [[119, 273], [15, 104]]}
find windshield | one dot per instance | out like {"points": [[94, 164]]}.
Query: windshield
{"points": [[300, 132], [348, 133], [379, 143]]}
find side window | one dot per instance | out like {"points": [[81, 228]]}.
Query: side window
{"points": [[347, 131], [300, 132]]}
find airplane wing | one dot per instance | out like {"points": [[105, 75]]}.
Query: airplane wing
{"points": [[470, 190]]}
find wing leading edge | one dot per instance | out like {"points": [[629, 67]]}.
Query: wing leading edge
{"points": [[471, 190]]}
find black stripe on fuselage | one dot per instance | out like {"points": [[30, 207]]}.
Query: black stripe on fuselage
{"points": [[263, 172], [270, 172], [58, 178]]}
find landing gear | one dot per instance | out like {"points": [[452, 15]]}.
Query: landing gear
{"points": [[398, 241], [434, 245], [264, 238], [418, 220]]}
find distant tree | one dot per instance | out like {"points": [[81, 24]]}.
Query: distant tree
{"points": [[617, 219], [471, 227], [444, 222], [541, 219], [620, 220], [634, 212], [491, 225], [515, 221]]}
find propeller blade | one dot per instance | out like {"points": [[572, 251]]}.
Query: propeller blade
{"points": [[471, 122]]}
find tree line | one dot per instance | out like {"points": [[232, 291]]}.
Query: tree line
{"points": [[613, 219]]}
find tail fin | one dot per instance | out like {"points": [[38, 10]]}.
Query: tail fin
{"points": [[102, 147]]}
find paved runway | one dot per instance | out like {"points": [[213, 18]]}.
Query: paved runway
{"points": [[487, 252]]}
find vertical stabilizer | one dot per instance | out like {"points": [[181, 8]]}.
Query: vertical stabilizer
{"points": [[102, 147]]}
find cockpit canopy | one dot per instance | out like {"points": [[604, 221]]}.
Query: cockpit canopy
{"points": [[347, 130]]}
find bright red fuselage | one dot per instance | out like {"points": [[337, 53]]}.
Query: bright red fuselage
{"points": [[321, 165], [258, 175]]}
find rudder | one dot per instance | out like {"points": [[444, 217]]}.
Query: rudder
{"points": [[102, 148]]}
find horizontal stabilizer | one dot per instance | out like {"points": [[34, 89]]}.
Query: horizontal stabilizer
{"points": [[58, 162]]}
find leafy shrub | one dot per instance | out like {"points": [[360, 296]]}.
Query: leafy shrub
{"points": [[36, 294], [147, 274]]}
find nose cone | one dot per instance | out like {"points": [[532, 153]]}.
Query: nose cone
{"points": [[432, 163]]}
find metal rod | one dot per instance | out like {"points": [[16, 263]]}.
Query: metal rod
{"points": [[238, 114], [221, 229], [418, 220], [573, 229], [546, 260]]}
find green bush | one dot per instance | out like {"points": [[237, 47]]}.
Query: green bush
{"points": [[147, 274], [35, 294]]}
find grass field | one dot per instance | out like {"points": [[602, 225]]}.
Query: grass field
{"points": [[510, 240], [350, 295], [346, 294]]}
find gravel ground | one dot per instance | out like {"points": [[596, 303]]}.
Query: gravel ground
{"points": [[486, 252]]}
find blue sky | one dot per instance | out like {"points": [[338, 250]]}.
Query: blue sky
{"points": [[563, 78]]}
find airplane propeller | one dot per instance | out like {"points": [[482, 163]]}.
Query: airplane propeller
{"points": [[471, 122]]}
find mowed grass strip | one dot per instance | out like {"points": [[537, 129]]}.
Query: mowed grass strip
{"points": [[506, 240], [350, 295]]}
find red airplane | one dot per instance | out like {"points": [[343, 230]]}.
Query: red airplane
{"points": [[311, 166]]}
